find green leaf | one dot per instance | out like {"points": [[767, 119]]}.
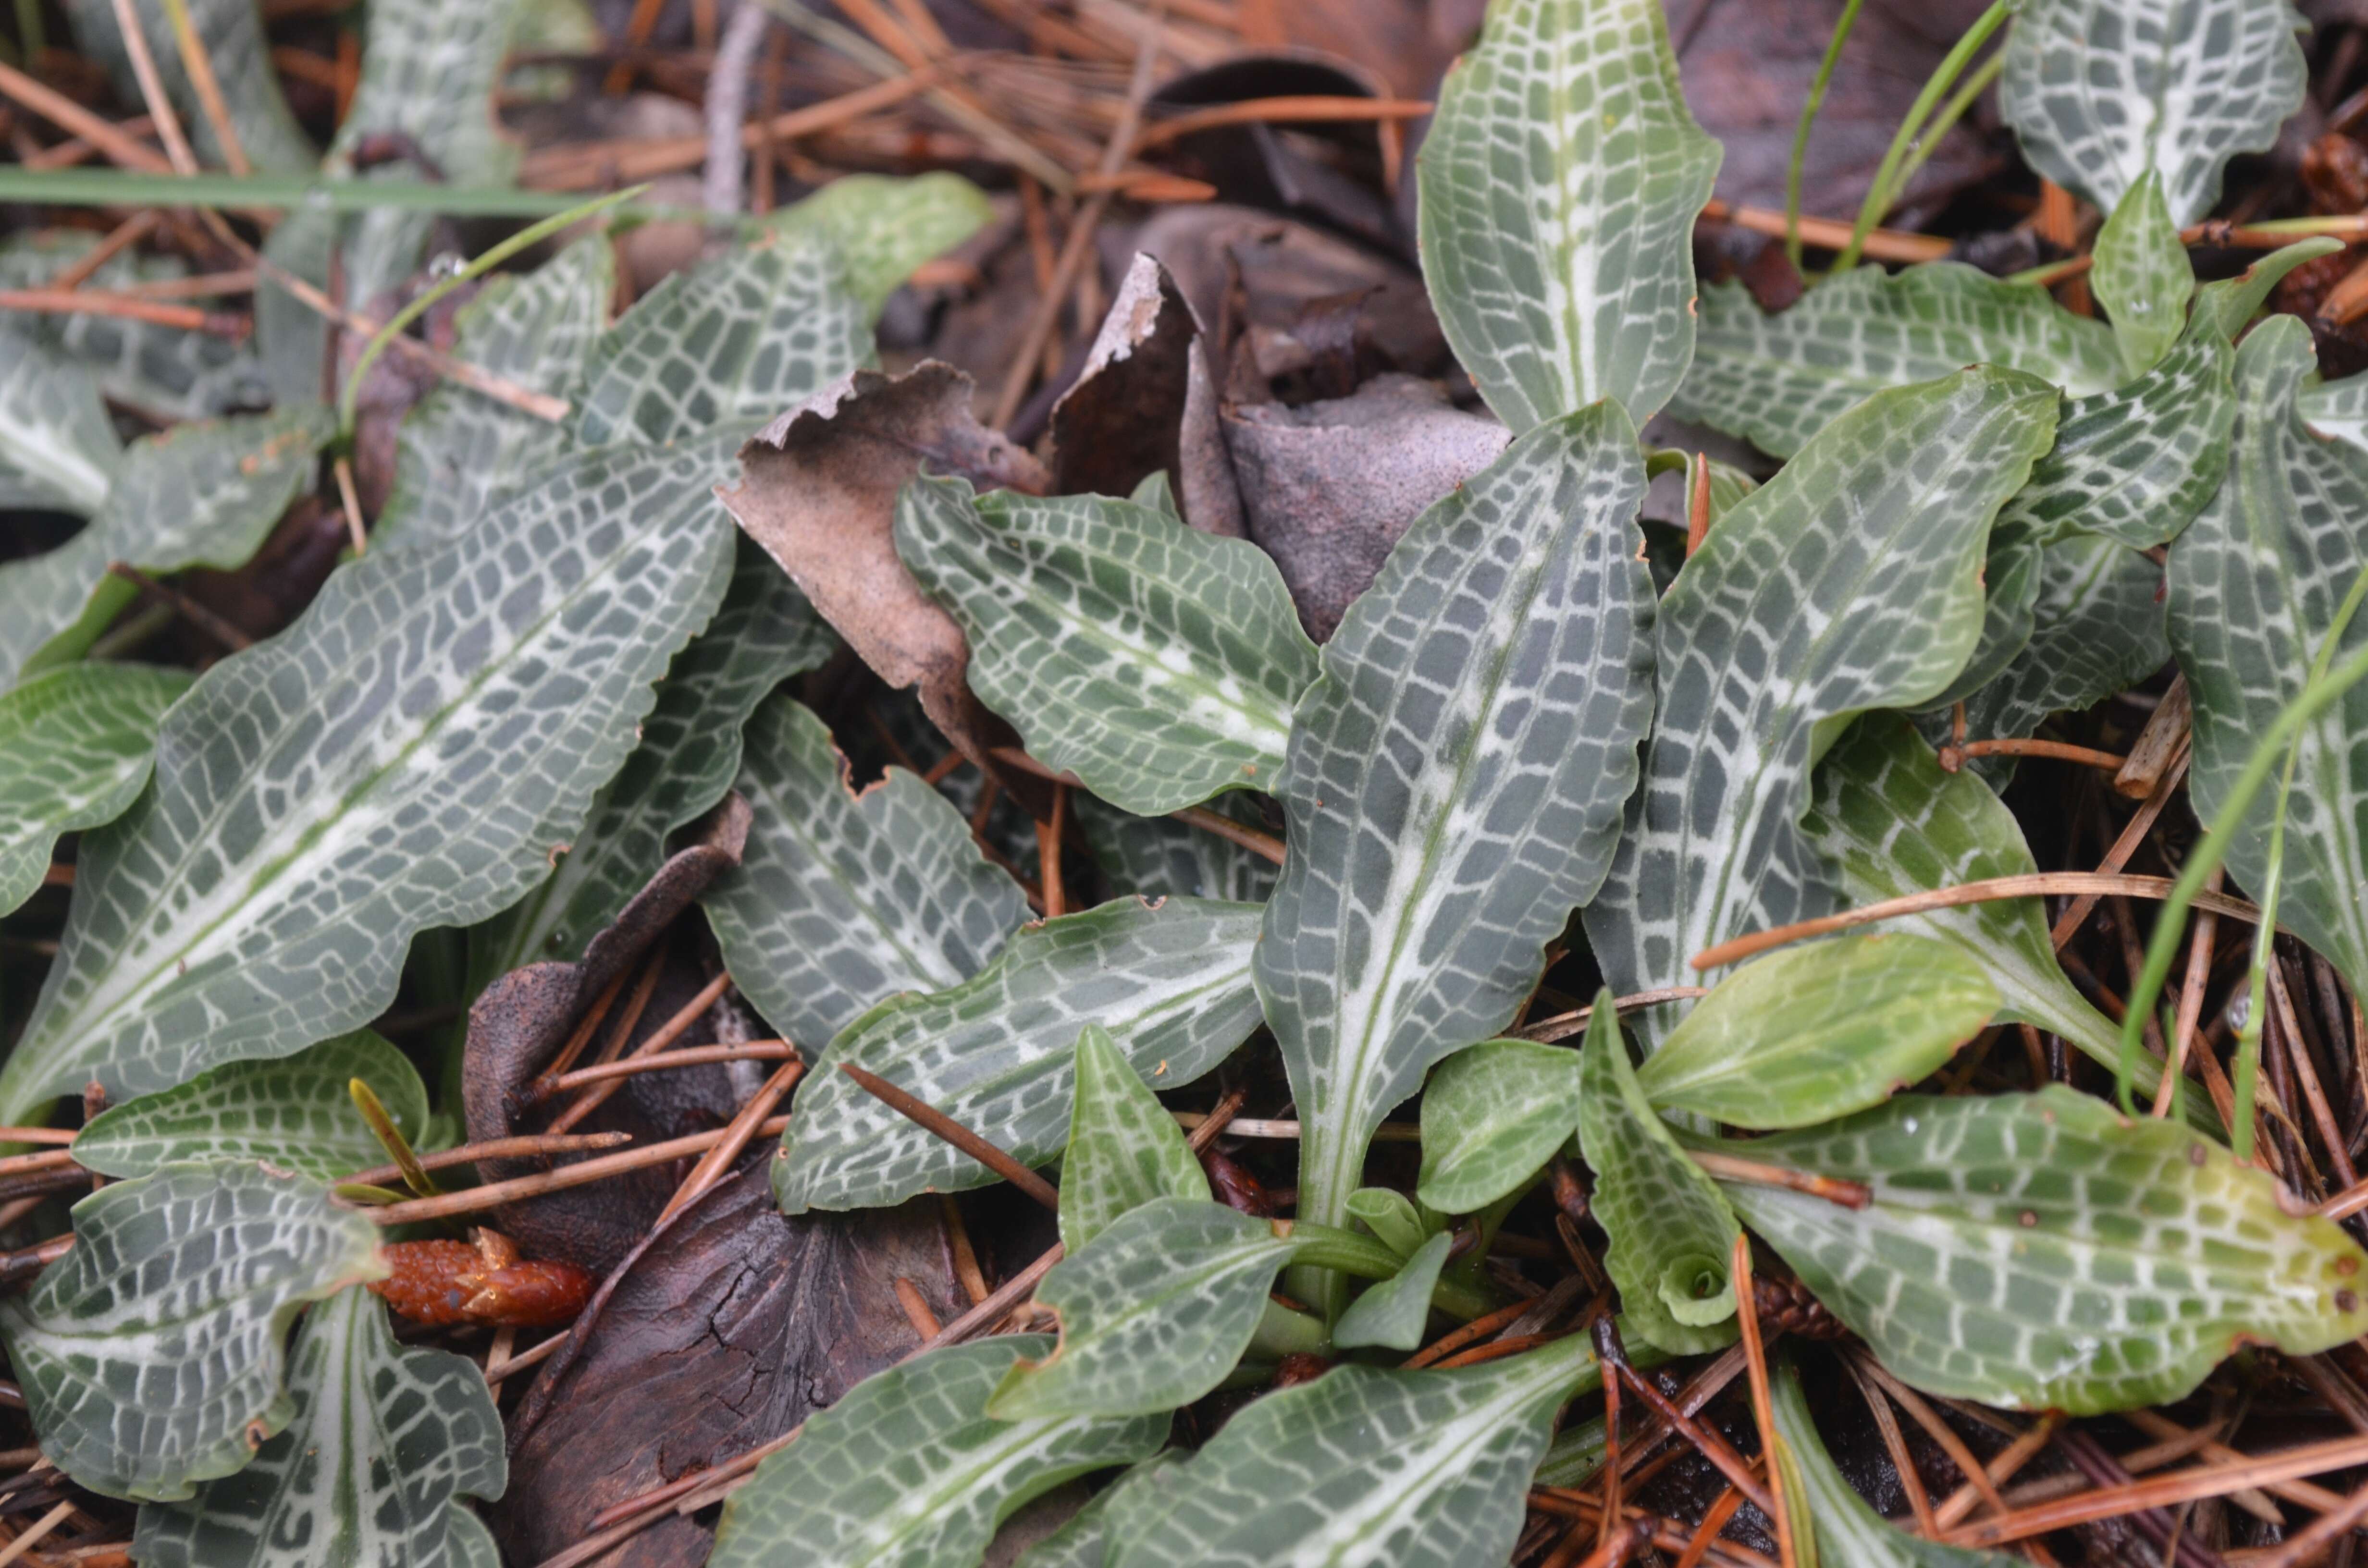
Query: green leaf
{"points": [[2097, 629], [1083, 1540], [841, 899], [458, 451], [57, 447], [371, 1470], [1671, 1233], [231, 32], [998, 1052], [737, 338], [1156, 663], [764, 633], [2102, 92], [883, 228], [1124, 1149], [1560, 183], [2253, 588], [405, 756], [1850, 581], [2141, 276], [1160, 858], [2010, 603], [2231, 301], [1417, 1470], [2040, 1251], [203, 494], [166, 372], [1492, 1114], [1455, 780], [75, 746], [1391, 1314], [295, 1114], [150, 1355], [1849, 1534], [1153, 1315], [1778, 380], [1394, 1221], [909, 1472], [2337, 410], [1810, 1033]]}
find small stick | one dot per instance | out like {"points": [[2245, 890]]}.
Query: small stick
{"points": [[588, 1026], [492, 1195], [151, 88], [667, 1033], [1832, 234], [1698, 505], [2125, 844], [1048, 855], [1259, 1127], [966, 1268], [1763, 1405], [1730, 1167], [350, 500], [1477, 1329], [2003, 1467], [34, 1536], [121, 237], [1561, 1025], [2062, 751], [2321, 1533], [736, 1136], [932, 1119], [2191, 996], [1303, 111], [31, 1260], [1713, 1521], [1712, 1446], [694, 1056], [498, 1148], [916, 1308], [1232, 832], [497, 1370], [1939, 1431], [76, 302], [200, 66], [62, 111], [190, 609], [1607, 1355], [60, 1135]]}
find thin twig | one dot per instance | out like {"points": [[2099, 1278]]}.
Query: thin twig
{"points": [[2059, 750], [200, 67], [736, 1137], [1305, 110], [492, 1195], [124, 235], [190, 609], [932, 1119], [2165, 1491], [2125, 844], [157, 312], [62, 111], [1763, 1405], [525, 1145], [151, 88], [1561, 1025], [693, 1056], [1833, 1189]]}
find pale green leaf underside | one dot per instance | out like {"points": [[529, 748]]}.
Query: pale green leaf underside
{"points": [[148, 1350], [297, 1113], [843, 900], [1417, 1470], [1124, 1149], [907, 1470], [1560, 182], [996, 1052], [1778, 380], [1810, 1033], [1850, 581], [2141, 276], [1392, 1313], [405, 756], [369, 1472], [2101, 91], [57, 447], [1492, 1114], [2037, 1250], [1160, 858], [1671, 1233], [2253, 588], [231, 32], [75, 746], [1158, 664], [1455, 780]]}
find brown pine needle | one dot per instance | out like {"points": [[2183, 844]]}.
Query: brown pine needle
{"points": [[695, 1056], [2059, 750], [2164, 1492], [1763, 1407], [1732, 1168], [1698, 505], [492, 1195], [1232, 832], [200, 67], [2125, 844], [1561, 1025], [736, 1137], [1307, 110], [90, 302], [667, 1033], [1448, 1344], [62, 112], [1709, 1444], [528, 1144], [916, 1308], [124, 235], [932, 1119]]}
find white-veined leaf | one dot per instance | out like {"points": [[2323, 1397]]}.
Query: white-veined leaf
{"points": [[151, 1354], [1124, 1149], [1850, 581], [2253, 588], [165, 372], [1417, 1470], [1492, 1114], [2142, 275], [908, 1471], [369, 1472], [1392, 1313], [2102, 91], [996, 1052], [405, 756], [1161, 857], [2010, 605], [1454, 781], [2337, 410], [230, 33], [1082, 1541], [75, 746], [842, 899], [1778, 380], [1810, 1033], [1156, 663], [1671, 1233], [57, 447], [1560, 182], [2097, 629], [884, 227], [296, 1113], [2040, 1251]]}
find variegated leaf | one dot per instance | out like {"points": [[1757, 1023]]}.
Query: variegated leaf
{"points": [[1160, 858], [57, 447], [2011, 576], [996, 1052], [1156, 663], [2253, 588], [75, 746], [883, 228], [151, 1354], [1392, 1313], [2337, 410], [1778, 380], [230, 33], [405, 756], [1083, 1541], [908, 1471], [166, 372], [1850, 581], [1417, 1470], [458, 451], [1153, 1314], [842, 899], [204, 494], [2041, 1251], [385, 1443], [1454, 781], [1492, 1115], [1671, 1233], [296, 1113], [1124, 1149], [1810, 1033], [2100, 92], [2097, 629], [736, 339], [764, 633], [2142, 275], [2232, 301], [1560, 182]]}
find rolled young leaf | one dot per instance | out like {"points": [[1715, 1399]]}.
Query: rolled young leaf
{"points": [[75, 746], [1492, 1114], [1124, 1149], [2041, 1251]]}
